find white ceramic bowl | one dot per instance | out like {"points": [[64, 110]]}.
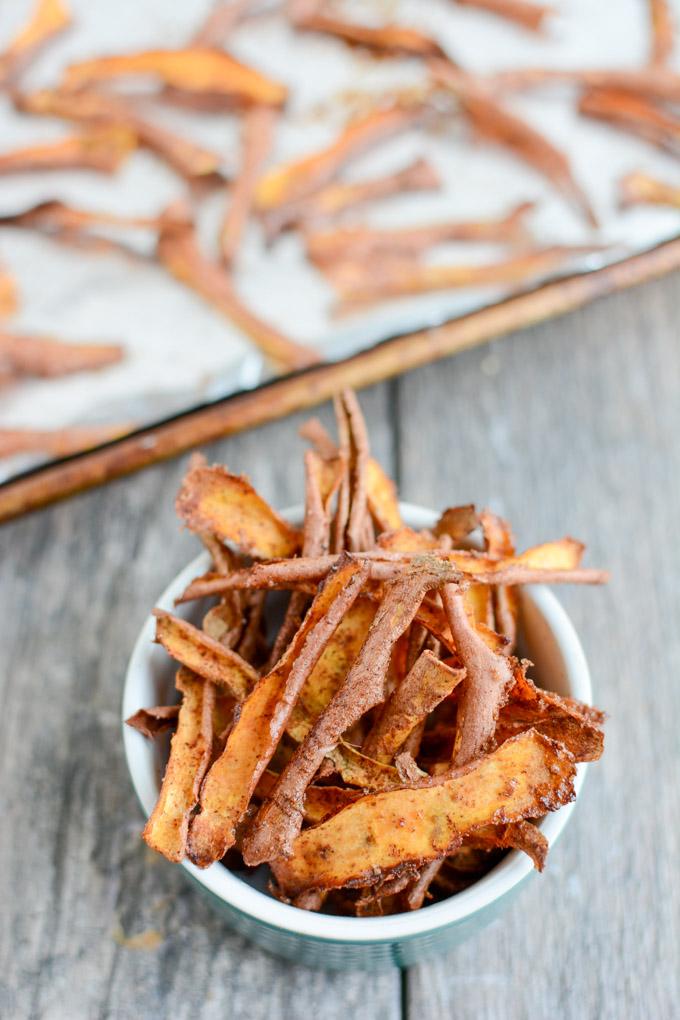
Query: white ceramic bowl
{"points": [[322, 940]]}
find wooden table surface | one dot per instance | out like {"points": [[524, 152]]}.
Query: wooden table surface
{"points": [[573, 427]]}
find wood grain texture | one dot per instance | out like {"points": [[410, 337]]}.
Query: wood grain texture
{"points": [[573, 429], [569, 427]]}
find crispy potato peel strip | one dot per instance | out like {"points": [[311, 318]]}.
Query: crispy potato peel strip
{"points": [[193, 70], [524, 778], [190, 748], [179, 251], [203, 655], [529, 15], [262, 719], [426, 684], [212, 499], [49, 19], [279, 820]]}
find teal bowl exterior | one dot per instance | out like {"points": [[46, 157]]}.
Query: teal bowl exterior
{"points": [[340, 954], [343, 943]]}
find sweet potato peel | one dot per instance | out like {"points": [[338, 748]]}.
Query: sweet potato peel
{"points": [[654, 82], [280, 818], [457, 522], [212, 499], [521, 12], [524, 778], [486, 685], [577, 726], [634, 114], [400, 277], [565, 554], [303, 575], [378, 745], [641, 189], [491, 121], [382, 497], [339, 196], [363, 242], [8, 293], [103, 150], [357, 769], [54, 216], [408, 540], [432, 618], [319, 438], [152, 721], [499, 541], [341, 516], [321, 802], [427, 683], [551, 563], [47, 357], [358, 464], [232, 779], [318, 493], [179, 252], [315, 539], [333, 667], [381, 492], [393, 39], [661, 23], [224, 623], [193, 70], [190, 749], [257, 140], [90, 107], [49, 19], [515, 836], [204, 656], [296, 180]]}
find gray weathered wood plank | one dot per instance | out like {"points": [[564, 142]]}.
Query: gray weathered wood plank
{"points": [[573, 428]]}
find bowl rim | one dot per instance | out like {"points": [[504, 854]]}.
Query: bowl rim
{"points": [[243, 898]]}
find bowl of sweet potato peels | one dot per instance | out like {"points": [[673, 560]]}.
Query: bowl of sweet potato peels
{"points": [[358, 725]]}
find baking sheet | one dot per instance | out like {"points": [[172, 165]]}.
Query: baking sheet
{"points": [[180, 352]]}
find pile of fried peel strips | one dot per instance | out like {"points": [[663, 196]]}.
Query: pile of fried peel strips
{"points": [[384, 745], [308, 195]]}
